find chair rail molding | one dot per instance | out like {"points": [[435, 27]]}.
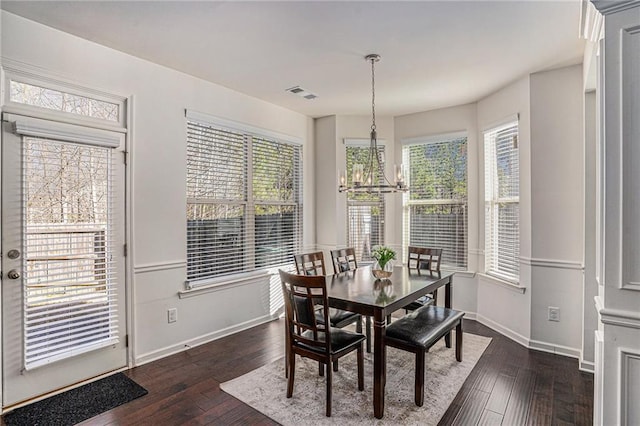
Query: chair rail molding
{"points": [[159, 266], [552, 263]]}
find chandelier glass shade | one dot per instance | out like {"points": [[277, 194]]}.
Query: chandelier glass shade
{"points": [[370, 177]]}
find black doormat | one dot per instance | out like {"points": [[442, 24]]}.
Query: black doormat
{"points": [[76, 405]]}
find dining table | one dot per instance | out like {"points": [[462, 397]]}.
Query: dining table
{"points": [[359, 291]]}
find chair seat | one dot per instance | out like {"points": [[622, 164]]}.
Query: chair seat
{"points": [[337, 317], [424, 326], [419, 303], [340, 340]]}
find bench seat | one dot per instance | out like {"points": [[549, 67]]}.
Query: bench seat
{"points": [[418, 331]]}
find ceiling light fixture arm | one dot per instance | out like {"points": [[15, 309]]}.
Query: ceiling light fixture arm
{"points": [[366, 181]]}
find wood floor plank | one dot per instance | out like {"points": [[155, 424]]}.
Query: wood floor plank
{"points": [[529, 387]]}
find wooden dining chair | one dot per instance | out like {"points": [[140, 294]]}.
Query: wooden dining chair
{"points": [[310, 338], [344, 260], [313, 264], [424, 260]]}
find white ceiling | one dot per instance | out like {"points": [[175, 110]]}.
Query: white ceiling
{"points": [[434, 53]]}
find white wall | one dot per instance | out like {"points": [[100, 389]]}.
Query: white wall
{"points": [[158, 170], [501, 306], [557, 223]]}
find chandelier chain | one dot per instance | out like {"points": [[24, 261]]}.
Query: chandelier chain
{"points": [[373, 94]]}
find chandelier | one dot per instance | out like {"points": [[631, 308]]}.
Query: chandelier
{"points": [[370, 178]]}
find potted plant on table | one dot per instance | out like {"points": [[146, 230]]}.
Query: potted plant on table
{"points": [[383, 266]]}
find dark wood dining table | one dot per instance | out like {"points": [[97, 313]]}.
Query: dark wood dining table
{"points": [[359, 291]]}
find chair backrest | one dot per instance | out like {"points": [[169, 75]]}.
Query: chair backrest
{"points": [[424, 259], [304, 298], [310, 263], [344, 259]]}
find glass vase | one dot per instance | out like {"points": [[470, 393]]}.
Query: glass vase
{"points": [[382, 272]]}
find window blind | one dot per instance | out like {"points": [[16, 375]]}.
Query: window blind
{"points": [[365, 212], [502, 196], [70, 274], [436, 206], [244, 201]]}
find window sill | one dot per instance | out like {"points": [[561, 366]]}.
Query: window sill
{"points": [[224, 283], [502, 283]]}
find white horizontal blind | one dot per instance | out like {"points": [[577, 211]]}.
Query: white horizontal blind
{"points": [[70, 303], [436, 206], [216, 201], [277, 193], [244, 201], [365, 212], [502, 198]]}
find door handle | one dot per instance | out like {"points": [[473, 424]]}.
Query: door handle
{"points": [[13, 274]]}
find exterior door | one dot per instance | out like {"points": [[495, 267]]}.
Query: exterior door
{"points": [[63, 310]]}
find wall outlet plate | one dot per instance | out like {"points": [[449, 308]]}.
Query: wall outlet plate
{"points": [[172, 315], [554, 313]]}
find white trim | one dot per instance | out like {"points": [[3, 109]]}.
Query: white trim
{"points": [[618, 317], [159, 266], [506, 284], [552, 263], [586, 366], [28, 126], [517, 337], [427, 139], [463, 274], [200, 340], [555, 349], [479, 252], [222, 283], [362, 142], [227, 124], [631, 285], [599, 303], [498, 125], [607, 7], [625, 355]]}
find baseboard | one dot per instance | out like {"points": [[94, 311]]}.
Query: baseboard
{"points": [[587, 366], [536, 344], [200, 340], [555, 349], [517, 337]]}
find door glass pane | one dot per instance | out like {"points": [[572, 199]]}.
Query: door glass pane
{"points": [[69, 269]]}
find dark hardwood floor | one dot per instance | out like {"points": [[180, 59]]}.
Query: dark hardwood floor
{"points": [[510, 385]]}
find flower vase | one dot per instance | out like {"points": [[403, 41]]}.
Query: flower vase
{"points": [[382, 272]]}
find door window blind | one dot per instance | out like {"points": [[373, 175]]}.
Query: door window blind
{"points": [[70, 274], [436, 206], [502, 196], [365, 212], [244, 201]]}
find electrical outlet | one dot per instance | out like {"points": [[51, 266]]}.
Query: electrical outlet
{"points": [[172, 315], [554, 313]]}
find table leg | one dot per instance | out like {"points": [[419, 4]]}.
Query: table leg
{"points": [[379, 364], [447, 304]]}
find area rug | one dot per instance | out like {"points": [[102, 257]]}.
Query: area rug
{"points": [[265, 388], [76, 405]]}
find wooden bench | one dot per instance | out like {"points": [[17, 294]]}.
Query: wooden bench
{"points": [[418, 331]]}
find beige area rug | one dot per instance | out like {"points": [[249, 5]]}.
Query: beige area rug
{"points": [[265, 388]]}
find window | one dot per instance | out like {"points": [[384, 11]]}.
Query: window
{"points": [[502, 196], [244, 201], [365, 212], [435, 208]]}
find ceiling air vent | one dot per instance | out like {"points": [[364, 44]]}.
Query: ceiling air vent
{"points": [[297, 90]]}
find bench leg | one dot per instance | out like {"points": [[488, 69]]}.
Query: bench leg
{"points": [[459, 342], [335, 365], [329, 380], [419, 382], [320, 369], [360, 368]]}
